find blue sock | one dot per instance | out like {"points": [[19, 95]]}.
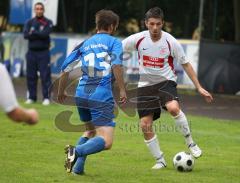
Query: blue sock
{"points": [[79, 165], [82, 140], [92, 146]]}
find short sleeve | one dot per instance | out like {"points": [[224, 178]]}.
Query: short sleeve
{"points": [[71, 61], [178, 52], [116, 53], [8, 100], [131, 43]]}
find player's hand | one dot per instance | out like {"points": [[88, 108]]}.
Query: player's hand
{"points": [[61, 97], [33, 116], [123, 96], [208, 97]]}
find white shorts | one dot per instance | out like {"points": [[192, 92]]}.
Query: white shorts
{"points": [[8, 100]]}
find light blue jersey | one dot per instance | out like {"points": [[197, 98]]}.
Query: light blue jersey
{"points": [[96, 55]]}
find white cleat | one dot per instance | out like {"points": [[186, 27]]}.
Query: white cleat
{"points": [[70, 158], [46, 102], [195, 150], [161, 163], [29, 101]]}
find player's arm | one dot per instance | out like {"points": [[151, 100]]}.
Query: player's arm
{"points": [[129, 45], [9, 102], [192, 75], [67, 66], [118, 74], [117, 70], [179, 54], [62, 95]]}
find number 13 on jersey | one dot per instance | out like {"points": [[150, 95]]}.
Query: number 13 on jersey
{"points": [[99, 62]]}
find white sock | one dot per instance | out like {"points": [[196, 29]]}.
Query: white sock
{"points": [[182, 125], [153, 146]]}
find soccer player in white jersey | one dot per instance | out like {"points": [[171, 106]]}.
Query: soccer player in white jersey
{"points": [[157, 83], [9, 104]]}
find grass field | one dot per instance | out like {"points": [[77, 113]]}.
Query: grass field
{"points": [[35, 154]]}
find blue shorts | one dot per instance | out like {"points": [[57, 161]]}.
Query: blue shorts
{"points": [[96, 107]]}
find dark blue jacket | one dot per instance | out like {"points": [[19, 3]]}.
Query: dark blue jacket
{"points": [[37, 31]]}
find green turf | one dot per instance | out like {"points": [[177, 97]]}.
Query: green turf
{"points": [[35, 154]]}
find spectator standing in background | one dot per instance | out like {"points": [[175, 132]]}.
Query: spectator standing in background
{"points": [[36, 31]]}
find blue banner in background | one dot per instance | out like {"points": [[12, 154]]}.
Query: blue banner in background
{"points": [[61, 45], [16, 49], [20, 11], [58, 53]]}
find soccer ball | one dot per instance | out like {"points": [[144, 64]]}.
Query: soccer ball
{"points": [[183, 162]]}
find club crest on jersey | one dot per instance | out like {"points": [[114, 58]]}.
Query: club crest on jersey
{"points": [[163, 50]]}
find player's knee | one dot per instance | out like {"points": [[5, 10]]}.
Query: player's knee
{"points": [[90, 133], [145, 124], [108, 145], [173, 110]]}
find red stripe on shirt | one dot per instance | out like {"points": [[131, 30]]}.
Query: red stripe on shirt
{"points": [[137, 45], [170, 58]]}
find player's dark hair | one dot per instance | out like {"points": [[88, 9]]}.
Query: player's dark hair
{"points": [[105, 18], [155, 12], [39, 3]]}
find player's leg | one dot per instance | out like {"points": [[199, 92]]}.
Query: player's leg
{"points": [[102, 141], [146, 126], [101, 109], [169, 98], [182, 124], [45, 74], [148, 111], [32, 77], [85, 116], [79, 165], [101, 115], [151, 140], [86, 136]]}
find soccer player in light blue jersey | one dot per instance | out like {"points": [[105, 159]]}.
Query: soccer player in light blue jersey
{"points": [[100, 59]]}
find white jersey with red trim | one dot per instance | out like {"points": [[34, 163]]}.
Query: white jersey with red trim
{"points": [[155, 58]]}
